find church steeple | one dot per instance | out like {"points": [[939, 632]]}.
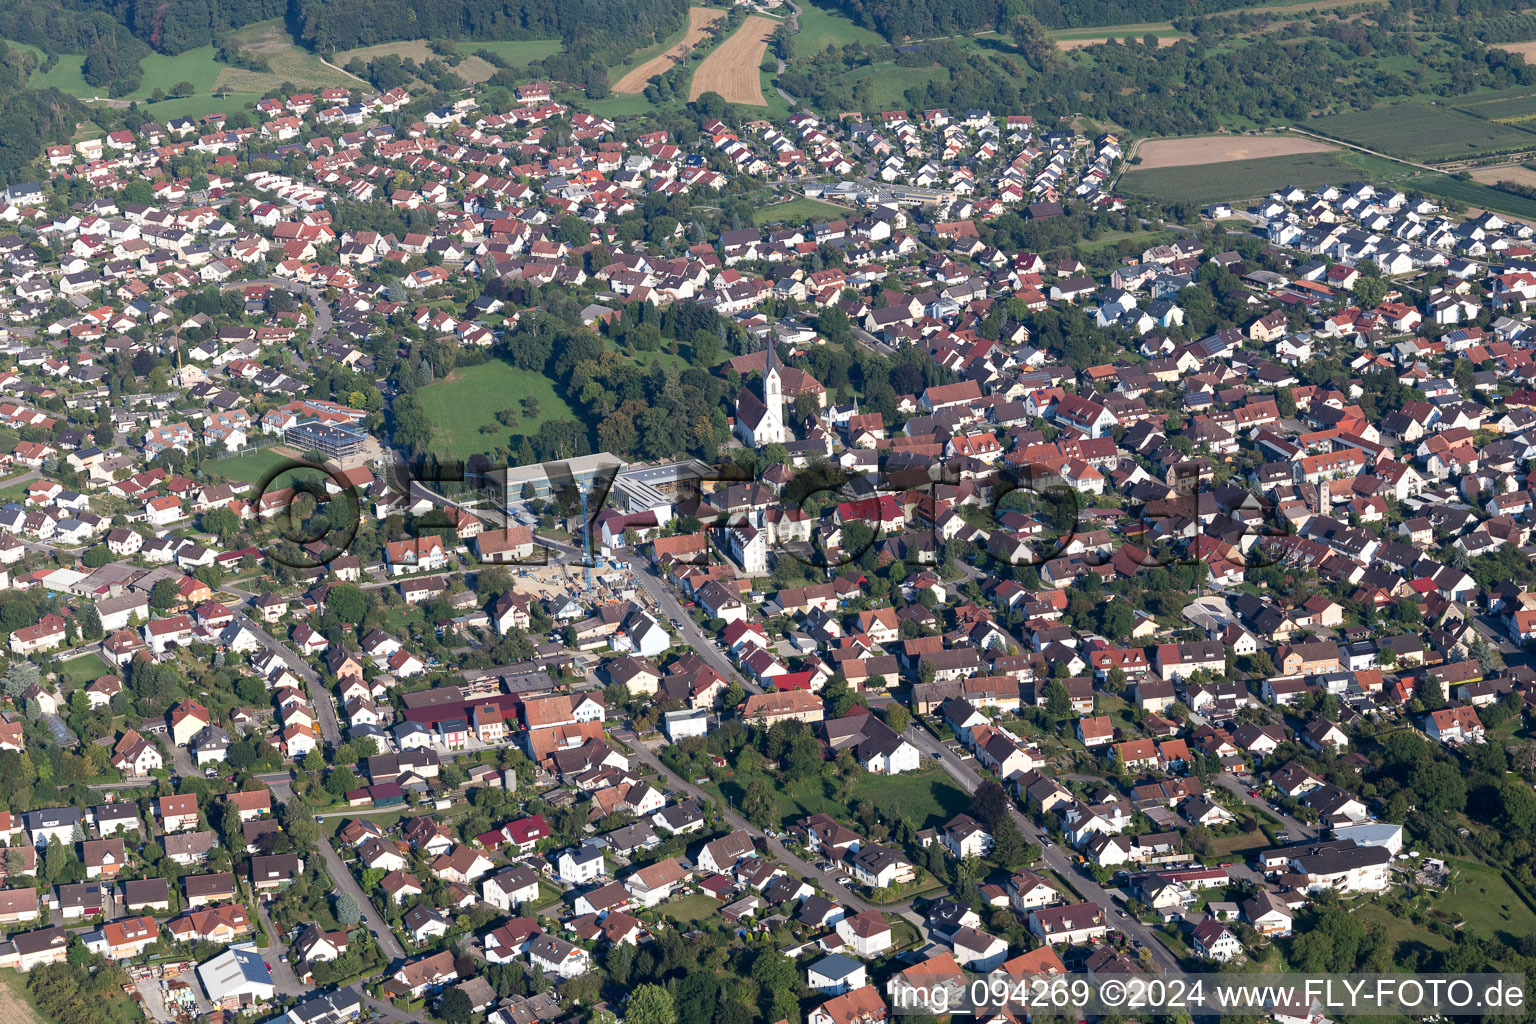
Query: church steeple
{"points": [[771, 429]]}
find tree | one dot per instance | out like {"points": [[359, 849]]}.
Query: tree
{"points": [[1369, 291], [650, 1004], [1058, 702], [96, 557], [621, 960], [897, 717], [20, 676], [1008, 847], [347, 910], [164, 595], [90, 623], [348, 602], [990, 803], [456, 1007], [1116, 619]]}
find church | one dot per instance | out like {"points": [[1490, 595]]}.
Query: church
{"points": [[760, 421]]}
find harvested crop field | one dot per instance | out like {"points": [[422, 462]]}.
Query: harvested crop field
{"points": [[1526, 50], [1163, 39], [1507, 172], [1220, 149], [699, 19], [732, 70]]}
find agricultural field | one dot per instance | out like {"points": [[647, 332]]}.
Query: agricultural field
{"points": [[1507, 106], [1218, 149], [1163, 33], [468, 399], [1526, 50], [516, 52], [1476, 195], [1241, 179], [821, 28], [732, 69], [1424, 133], [1517, 173], [699, 20]]}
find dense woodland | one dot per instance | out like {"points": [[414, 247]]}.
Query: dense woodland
{"points": [[587, 25], [1196, 85]]}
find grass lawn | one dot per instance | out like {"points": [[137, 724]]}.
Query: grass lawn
{"points": [[927, 798], [1491, 908], [331, 823], [1400, 931], [253, 467], [904, 933], [821, 28], [614, 106], [160, 72], [796, 211], [84, 669], [517, 52], [469, 399], [884, 86], [696, 906], [1234, 849]]}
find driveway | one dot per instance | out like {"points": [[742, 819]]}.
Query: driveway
{"points": [[283, 978], [342, 879], [325, 708], [1114, 917], [1237, 789], [804, 868]]}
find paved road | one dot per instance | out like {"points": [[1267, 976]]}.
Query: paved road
{"points": [[287, 982], [325, 708], [342, 878], [323, 321], [667, 601], [805, 868], [1057, 861]]}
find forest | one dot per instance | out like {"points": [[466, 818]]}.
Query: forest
{"points": [[916, 19], [1196, 85], [619, 26]]}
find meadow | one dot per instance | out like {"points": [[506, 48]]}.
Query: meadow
{"points": [[289, 62], [797, 211], [1240, 179], [821, 28], [1423, 132], [518, 53], [469, 398]]}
